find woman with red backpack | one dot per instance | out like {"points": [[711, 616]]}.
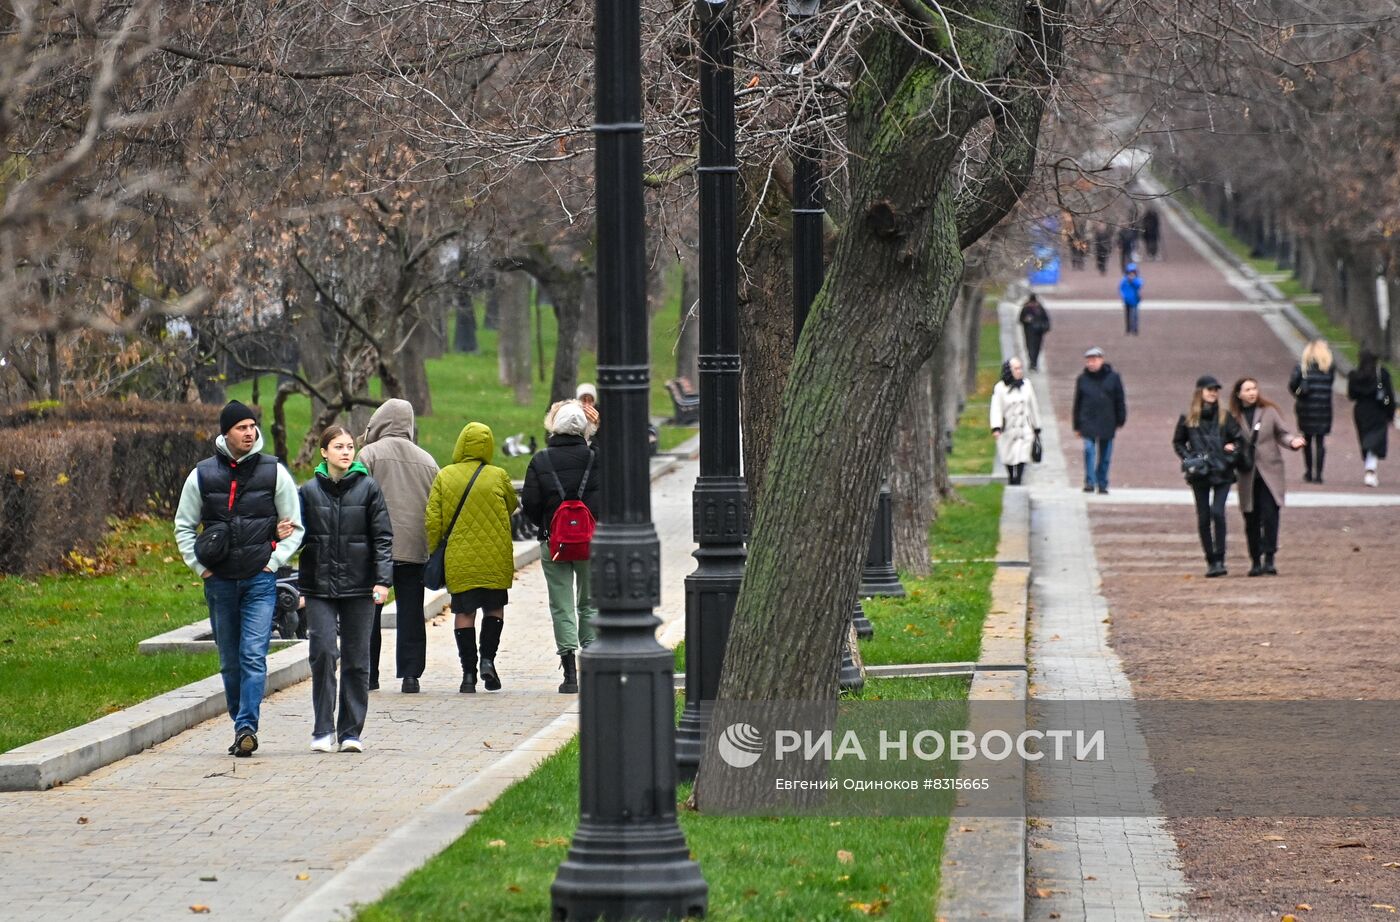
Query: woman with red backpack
{"points": [[561, 498]]}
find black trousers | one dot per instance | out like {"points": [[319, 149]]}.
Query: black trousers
{"points": [[1314, 453], [1210, 517], [1261, 525], [1033, 341], [412, 646]]}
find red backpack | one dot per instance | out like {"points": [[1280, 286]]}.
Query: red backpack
{"points": [[571, 528]]}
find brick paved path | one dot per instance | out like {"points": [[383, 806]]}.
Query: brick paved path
{"points": [[1120, 608], [132, 841]]}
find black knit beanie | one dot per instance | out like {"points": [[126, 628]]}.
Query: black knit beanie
{"points": [[233, 414]]}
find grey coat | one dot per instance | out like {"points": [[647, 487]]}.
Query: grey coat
{"points": [[1273, 437], [404, 473]]}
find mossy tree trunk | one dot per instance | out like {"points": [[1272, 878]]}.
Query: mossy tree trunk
{"points": [[898, 256]]}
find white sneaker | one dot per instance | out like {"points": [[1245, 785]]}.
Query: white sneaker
{"points": [[1371, 479], [350, 744], [325, 743]]}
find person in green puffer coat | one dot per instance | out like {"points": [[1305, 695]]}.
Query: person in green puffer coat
{"points": [[480, 559]]}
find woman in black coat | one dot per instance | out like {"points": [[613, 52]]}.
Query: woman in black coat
{"points": [[1311, 386], [1211, 438], [1370, 389], [1035, 321], [347, 564]]}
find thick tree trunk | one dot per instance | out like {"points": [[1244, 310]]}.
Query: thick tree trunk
{"points": [[514, 341], [911, 476], [765, 323], [568, 315]]}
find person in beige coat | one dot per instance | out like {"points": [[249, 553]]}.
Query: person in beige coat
{"points": [[405, 475], [1261, 490], [1015, 419]]}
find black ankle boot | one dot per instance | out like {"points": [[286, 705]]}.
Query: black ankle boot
{"points": [[1256, 568], [466, 654], [490, 643], [570, 684], [1269, 565]]}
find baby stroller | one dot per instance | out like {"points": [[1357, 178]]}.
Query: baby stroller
{"points": [[289, 617]]}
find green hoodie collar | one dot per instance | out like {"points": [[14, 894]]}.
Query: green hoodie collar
{"points": [[324, 470]]}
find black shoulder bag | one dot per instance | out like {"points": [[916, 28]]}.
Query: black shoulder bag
{"points": [[435, 570]]}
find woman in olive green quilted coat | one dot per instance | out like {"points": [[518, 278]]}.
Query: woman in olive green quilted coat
{"points": [[480, 561]]}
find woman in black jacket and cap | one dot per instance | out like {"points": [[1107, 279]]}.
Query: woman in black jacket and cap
{"points": [[1370, 389], [347, 564], [1311, 386], [1211, 438], [565, 470]]}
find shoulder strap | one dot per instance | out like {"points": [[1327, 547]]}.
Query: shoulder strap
{"points": [[558, 484], [583, 484], [461, 502]]}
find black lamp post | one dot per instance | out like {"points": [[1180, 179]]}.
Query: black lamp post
{"points": [[878, 576], [629, 858], [720, 510]]}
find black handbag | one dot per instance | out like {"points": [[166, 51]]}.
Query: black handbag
{"points": [[435, 570], [1037, 450]]}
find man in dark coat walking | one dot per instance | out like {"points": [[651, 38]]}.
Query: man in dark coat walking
{"points": [[1100, 410]]}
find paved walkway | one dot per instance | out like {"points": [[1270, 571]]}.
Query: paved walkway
{"points": [[184, 824]]}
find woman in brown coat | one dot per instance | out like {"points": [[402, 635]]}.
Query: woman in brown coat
{"points": [[1262, 486]]}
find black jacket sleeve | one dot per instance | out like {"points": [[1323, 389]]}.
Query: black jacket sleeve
{"points": [[1181, 437], [1120, 402], [530, 499], [1295, 381], [382, 534], [1074, 413]]}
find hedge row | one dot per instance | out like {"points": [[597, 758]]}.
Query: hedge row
{"points": [[65, 469]]}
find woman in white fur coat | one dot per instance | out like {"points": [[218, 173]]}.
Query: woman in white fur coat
{"points": [[1015, 419]]}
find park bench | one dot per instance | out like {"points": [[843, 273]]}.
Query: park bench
{"points": [[685, 401]]}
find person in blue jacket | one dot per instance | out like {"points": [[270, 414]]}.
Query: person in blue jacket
{"points": [[1131, 290]]}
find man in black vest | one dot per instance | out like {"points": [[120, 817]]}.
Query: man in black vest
{"points": [[227, 528]]}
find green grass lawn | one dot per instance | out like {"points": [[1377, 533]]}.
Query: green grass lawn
{"points": [[467, 388], [68, 643], [974, 449]]}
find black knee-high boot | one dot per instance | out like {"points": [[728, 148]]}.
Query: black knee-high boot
{"points": [[466, 652], [490, 643]]}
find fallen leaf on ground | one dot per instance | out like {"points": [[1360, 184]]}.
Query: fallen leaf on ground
{"points": [[1090, 877], [1391, 864], [1160, 915], [546, 843], [1045, 893], [513, 888], [496, 843], [1290, 917], [845, 857], [1386, 906], [1272, 839], [1334, 880], [1303, 907], [209, 878], [474, 812], [199, 908], [877, 908], [83, 821], [1350, 843], [303, 876]]}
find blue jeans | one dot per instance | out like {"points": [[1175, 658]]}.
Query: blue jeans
{"points": [[1097, 454], [1130, 319], [240, 611]]}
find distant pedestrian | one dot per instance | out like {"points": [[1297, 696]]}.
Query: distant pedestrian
{"points": [[1262, 484], [1035, 322], [1311, 386], [1373, 395], [480, 557], [236, 498], [1151, 227], [1015, 419], [1100, 410], [565, 470], [587, 397], [1127, 245], [1130, 289], [405, 474], [1208, 440], [1103, 246], [1074, 238], [347, 564]]}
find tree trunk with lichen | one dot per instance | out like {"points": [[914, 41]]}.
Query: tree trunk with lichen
{"points": [[899, 257]]}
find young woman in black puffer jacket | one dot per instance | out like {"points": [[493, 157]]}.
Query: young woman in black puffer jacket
{"points": [[1206, 431], [1311, 386], [347, 565]]}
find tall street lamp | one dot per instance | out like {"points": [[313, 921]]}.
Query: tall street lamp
{"points": [[878, 576], [629, 858], [720, 508]]}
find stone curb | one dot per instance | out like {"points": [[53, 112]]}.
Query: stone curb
{"points": [[40, 765], [984, 858], [431, 830]]}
